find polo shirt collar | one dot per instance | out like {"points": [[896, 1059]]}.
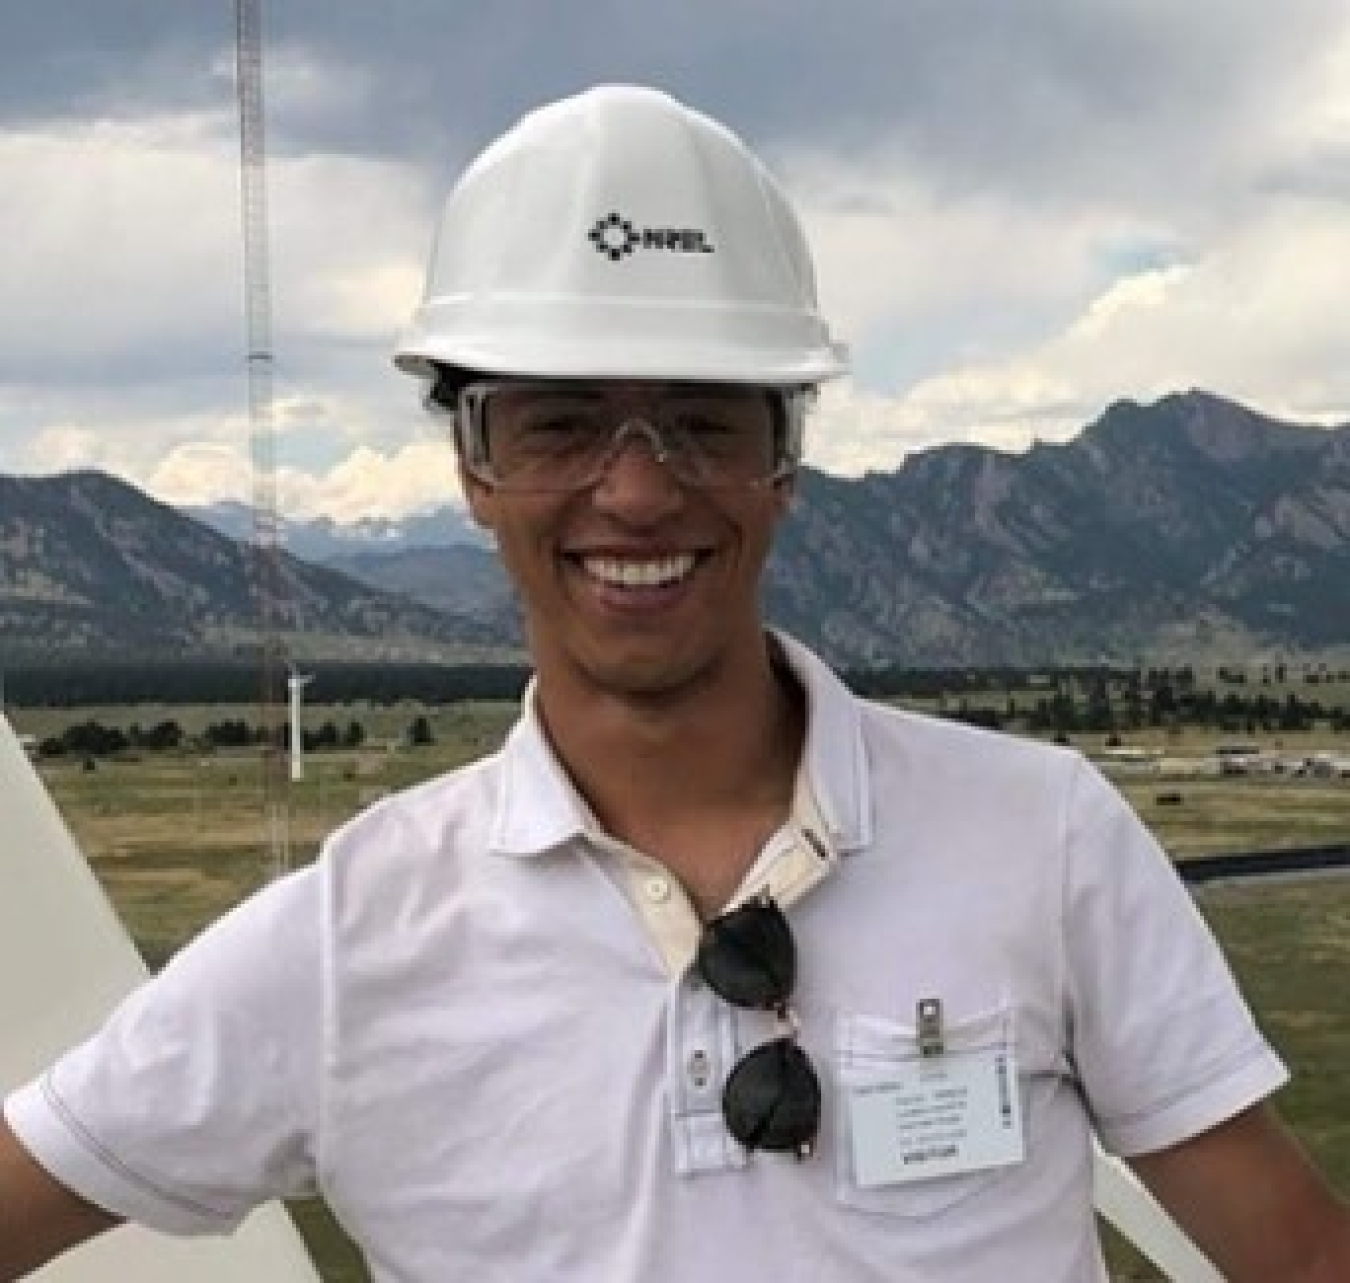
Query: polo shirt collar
{"points": [[539, 808], [834, 761]]}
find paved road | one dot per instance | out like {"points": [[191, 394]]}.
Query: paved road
{"points": [[1200, 869]]}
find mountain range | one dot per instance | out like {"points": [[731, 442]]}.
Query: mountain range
{"points": [[1191, 528], [328, 542], [91, 567]]}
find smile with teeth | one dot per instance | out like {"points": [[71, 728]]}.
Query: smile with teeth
{"points": [[656, 572]]}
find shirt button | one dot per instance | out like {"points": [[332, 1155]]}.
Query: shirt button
{"points": [[700, 1069], [657, 889]]}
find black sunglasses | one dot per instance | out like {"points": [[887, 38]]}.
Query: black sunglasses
{"points": [[772, 1095]]}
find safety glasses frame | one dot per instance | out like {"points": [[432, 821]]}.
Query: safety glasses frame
{"points": [[468, 405]]}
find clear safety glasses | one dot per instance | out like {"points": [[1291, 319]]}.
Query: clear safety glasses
{"points": [[771, 1099], [534, 435]]}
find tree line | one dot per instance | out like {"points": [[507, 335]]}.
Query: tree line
{"points": [[91, 738], [1062, 702], [86, 685], [1107, 703], [67, 685]]}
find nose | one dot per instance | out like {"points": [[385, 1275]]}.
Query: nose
{"points": [[637, 479]]}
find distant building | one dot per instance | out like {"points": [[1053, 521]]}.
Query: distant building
{"points": [[1131, 753]]}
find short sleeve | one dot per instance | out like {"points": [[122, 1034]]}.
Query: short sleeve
{"points": [[199, 1097], [1163, 1041]]}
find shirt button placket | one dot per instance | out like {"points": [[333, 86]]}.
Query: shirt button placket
{"points": [[699, 1069], [700, 1045]]}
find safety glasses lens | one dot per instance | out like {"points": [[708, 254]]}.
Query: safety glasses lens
{"points": [[548, 436]]}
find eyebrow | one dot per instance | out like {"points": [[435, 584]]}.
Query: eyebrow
{"points": [[628, 394]]}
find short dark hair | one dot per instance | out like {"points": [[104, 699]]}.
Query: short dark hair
{"points": [[446, 382]]}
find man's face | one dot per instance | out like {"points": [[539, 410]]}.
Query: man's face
{"points": [[640, 583]]}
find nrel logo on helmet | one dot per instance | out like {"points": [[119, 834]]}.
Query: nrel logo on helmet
{"points": [[616, 238]]}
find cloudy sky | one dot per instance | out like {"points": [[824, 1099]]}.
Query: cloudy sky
{"points": [[1021, 212]]}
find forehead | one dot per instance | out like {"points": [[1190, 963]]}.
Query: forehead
{"points": [[624, 392]]}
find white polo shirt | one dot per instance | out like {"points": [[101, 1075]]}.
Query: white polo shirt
{"points": [[473, 1026]]}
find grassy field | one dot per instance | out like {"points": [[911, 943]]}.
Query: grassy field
{"points": [[1289, 943], [1200, 817], [177, 838]]}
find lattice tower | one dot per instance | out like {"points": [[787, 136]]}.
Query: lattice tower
{"points": [[265, 560]]}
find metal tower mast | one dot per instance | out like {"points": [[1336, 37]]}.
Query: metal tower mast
{"points": [[266, 547]]}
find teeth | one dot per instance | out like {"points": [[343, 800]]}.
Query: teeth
{"points": [[639, 574]]}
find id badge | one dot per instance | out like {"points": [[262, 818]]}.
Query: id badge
{"points": [[937, 1116]]}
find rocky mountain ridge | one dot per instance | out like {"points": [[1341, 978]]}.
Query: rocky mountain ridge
{"points": [[92, 567], [1190, 526]]}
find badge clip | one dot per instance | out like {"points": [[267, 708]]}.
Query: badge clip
{"points": [[929, 1022]]}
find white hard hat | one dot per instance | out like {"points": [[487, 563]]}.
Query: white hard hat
{"points": [[618, 234]]}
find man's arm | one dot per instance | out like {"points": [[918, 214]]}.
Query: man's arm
{"points": [[39, 1217], [1251, 1200]]}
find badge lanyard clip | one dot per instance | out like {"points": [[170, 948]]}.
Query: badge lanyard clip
{"points": [[928, 1018]]}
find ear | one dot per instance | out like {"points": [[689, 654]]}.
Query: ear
{"points": [[476, 495]]}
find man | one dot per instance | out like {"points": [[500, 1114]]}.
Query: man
{"points": [[712, 971]]}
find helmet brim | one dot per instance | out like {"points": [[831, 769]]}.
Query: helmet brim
{"points": [[539, 338]]}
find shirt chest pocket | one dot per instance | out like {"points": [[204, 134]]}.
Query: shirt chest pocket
{"points": [[881, 1072]]}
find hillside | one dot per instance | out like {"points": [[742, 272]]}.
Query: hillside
{"points": [[90, 566]]}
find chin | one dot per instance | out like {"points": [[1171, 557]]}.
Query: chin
{"points": [[642, 674]]}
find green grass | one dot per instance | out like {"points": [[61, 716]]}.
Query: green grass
{"points": [[1208, 816], [1289, 944], [334, 1253]]}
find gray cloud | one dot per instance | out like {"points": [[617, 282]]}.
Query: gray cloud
{"points": [[978, 176], [983, 86]]}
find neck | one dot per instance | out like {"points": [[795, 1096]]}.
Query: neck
{"points": [[697, 778]]}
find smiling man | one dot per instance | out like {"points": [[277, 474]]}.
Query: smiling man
{"points": [[634, 518], [713, 970]]}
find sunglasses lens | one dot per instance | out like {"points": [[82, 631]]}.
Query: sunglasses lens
{"points": [[772, 1099], [748, 958], [772, 1096]]}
